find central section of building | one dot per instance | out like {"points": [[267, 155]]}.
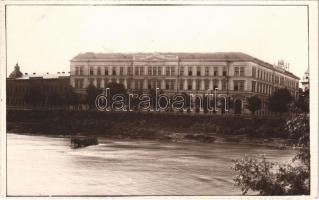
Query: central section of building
{"points": [[233, 74]]}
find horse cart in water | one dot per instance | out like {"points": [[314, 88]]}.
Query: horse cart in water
{"points": [[82, 141]]}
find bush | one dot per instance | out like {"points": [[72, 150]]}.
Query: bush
{"points": [[269, 178]]}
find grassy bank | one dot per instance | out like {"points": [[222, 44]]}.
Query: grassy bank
{"points": [[140, 125]]}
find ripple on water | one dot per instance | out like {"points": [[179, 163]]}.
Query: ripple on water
{"points": [[48, 166]]}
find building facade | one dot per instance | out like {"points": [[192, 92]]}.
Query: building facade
{"points": [[235, 75], [20, 86], [305, 81]]}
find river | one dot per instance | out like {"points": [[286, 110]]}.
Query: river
{"points": [[40, 165]]}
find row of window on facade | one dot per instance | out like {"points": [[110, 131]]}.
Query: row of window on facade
{"points": [[159, 71], [25, 89], [273, 78], [184, 84]]}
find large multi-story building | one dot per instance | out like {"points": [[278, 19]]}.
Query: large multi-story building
{"points": [[233, 74]]}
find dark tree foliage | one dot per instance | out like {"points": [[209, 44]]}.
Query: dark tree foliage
{"points": [[205, 103], [116, 88], [71, 98], [254, 104], [274, 179], [152, 94], [187, 104], [280, 100], [91, 94], [303, 101]]}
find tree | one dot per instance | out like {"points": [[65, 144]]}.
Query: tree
{"points": [[279, 101], [254, 104], [188, 102], [71, 98], [91, 93], [116, 89], [290, 179], [303, 101]]}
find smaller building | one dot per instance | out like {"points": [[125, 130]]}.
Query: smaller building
{"points": [[20, 87], [305, 81]]}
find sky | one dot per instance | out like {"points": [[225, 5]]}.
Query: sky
{"points": [[45, 38]]}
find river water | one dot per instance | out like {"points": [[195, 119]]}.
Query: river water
{"points": [[40, 165]]}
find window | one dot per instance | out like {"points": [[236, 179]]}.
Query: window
{"points": [[106, 71], [181, 85], [167, 71], [253, 86], [150, 71], [224, 71], [81, 70], [154, 71], [105, 82], [149, 85], [181, 71], [170, 84], [198, 71], [189, 84], [99, 71], [206, 84], [78, 70], [91, 71], [130, 70], [142, 71], [242, 71], [136, 84], [215, 84], [215, 71], [236, 69], [136, 71], [121, 81], [198, 84], [128, 84], [206, 71], [91, 80], [239, 85], [190, 72], [224, 86], [121, 70], [159, 71], [172, 71], [113, 71], [78, 83], [98, 83], [254, 72]]}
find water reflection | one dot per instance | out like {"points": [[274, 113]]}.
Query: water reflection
{"points": [[39, 165]]}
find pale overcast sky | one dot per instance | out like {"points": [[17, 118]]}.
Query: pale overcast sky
{"points": [[44, 38]]}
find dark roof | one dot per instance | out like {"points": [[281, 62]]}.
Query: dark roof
{"points": [[16, 72], [218, 56]]}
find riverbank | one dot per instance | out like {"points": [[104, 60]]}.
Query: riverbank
{"points": [[154, 126]]}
